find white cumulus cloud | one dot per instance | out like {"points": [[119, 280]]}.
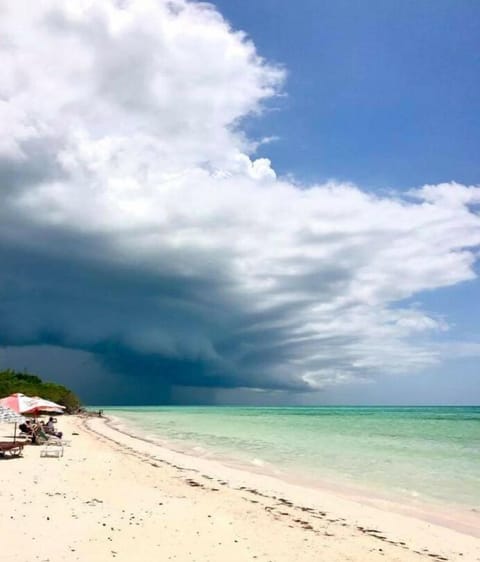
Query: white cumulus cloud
{"points": [[134, 214]]}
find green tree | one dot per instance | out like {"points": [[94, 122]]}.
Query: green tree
{"points": [[32, 385]]}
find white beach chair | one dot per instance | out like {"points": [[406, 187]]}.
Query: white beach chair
{"points": [[53, 447]]}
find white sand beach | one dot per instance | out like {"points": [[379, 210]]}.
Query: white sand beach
{"points": [[114, 496]]}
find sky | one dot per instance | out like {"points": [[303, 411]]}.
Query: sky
{"points": [[242, 202]]}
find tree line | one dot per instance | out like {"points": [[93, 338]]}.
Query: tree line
{"points": [[31, 385]]}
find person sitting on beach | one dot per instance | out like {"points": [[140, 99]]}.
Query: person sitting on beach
{"points": [[50, 429], [40, 433], [29, 429], [25, 427]]}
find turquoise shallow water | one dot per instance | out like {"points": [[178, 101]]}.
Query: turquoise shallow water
{"points": [[411, 453]]}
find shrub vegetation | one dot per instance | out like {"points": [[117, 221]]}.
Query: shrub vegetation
{"points": [[31, 385]]}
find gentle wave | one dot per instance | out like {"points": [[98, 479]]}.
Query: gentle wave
{"points": [[431, 453]]}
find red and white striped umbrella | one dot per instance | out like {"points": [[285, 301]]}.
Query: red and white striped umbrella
{"points": [[19, 403], [44, 405], [30, 405]]}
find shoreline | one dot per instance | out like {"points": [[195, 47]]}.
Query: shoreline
{"points": [[448, 514], [302, 498], [114, 495]]}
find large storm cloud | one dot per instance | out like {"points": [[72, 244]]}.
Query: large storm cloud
{"points": [[136, 223]]}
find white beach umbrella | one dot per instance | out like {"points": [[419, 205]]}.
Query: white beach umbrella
{"points": [[43, 405], [7, 415]]}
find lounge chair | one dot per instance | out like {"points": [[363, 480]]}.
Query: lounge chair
{"points": [[43, 438], [14, 449], [53, 447]]}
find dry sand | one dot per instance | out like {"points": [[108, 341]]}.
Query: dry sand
{"points": [[113, 496]]}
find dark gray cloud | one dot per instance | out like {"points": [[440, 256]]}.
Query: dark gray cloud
{"points": [[136, 227]]}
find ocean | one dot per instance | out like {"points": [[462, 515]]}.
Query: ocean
{"points": [[408, 454]]}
